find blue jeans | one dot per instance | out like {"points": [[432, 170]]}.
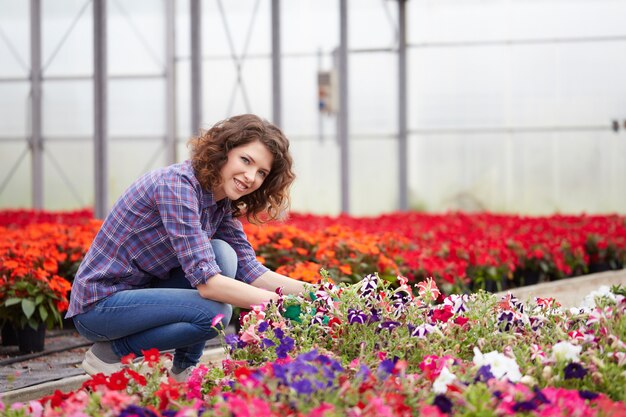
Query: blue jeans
{"points": [[170, 315]]}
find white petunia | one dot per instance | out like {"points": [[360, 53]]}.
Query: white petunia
{"points": [[445, 378], [589, 302], [501, 366], [566, 351]]}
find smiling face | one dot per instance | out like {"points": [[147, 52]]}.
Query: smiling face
{"points": [[247, 167]]}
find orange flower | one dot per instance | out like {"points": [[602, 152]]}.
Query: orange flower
{"points": [[346, 269], [50, 266], [285, 243], [11, 264]]}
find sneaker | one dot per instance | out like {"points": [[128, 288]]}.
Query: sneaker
{"points": [[92, 364], [183, 375]]}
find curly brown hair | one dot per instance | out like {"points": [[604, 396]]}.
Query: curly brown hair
{"points": [[209, 153]]}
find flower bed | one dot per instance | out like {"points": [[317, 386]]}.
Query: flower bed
{"points": [[463, 252], [38, 262], [372, 350]]}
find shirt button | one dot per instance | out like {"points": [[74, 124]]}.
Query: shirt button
{"points": [[203, 266]]}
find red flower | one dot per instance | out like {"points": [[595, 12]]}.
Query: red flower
{"points": [[443, 314], [95, 381], [137, 377], [56, 399], [166, 393], [128, 359], [151, 356], [117, 381], [461, 320]]}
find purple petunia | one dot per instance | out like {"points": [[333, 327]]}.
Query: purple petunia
{"points": [[136, 411], [286, 344], [267, 343], [385, 368], [303, 386], [421, 331], [369, 285], [263, 326], [484, 374], [588, 395], [387, 325], [356, 316], [443, 403], [574, 370], [231, 340], [375, 316]]}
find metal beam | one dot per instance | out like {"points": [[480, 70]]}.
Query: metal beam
{"points": [[402, 109], [101, 168], [343, 114], [170, 82], [196, 66], [276, 65], [36, 142]]}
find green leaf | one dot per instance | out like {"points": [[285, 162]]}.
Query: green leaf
{"points": [[43, 313], [12, 301], [39, 299], [28, 307]]}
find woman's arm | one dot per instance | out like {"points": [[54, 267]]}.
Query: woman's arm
{"points": [[228, 290], [271, 280]]}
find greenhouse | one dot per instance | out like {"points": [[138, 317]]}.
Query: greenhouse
{"points": [[420, 203]]}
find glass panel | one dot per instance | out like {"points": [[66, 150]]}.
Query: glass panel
{"points": [[136, 35], [374, 94], [136, 108], [15, 175], [66, 49], [14, 38], [373, 175], [67, 108], [128, 160], [317, 187], [68, 175], [15, 109]]}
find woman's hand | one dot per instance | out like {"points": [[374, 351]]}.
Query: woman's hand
{"points": [[239, 294]]}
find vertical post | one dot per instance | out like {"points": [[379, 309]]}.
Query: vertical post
{"points": [[276, 67], [320, 116], [196, 66], [100, 108], [36, 139], [170, 81], [402, 109], [343, 114]]}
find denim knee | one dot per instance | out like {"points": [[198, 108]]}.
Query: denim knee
{"points": [[225, 256]]}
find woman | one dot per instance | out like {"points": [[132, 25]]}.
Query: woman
{"points": [[161, 268]]}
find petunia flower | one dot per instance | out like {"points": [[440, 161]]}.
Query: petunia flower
{"points": [[217, 320], [565, 351], [445, 378], [421, 331], [387, 325], [501, 366], [356, 316], [428, 290], [458, 302], [574, 370]]}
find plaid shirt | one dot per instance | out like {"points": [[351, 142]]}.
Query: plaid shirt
{"points": [[163, 221]]}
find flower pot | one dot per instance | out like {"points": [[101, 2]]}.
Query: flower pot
{"points": [[31, 340], [9, 335]]}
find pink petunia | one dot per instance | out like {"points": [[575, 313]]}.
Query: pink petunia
{"points": [[216, 320]]}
